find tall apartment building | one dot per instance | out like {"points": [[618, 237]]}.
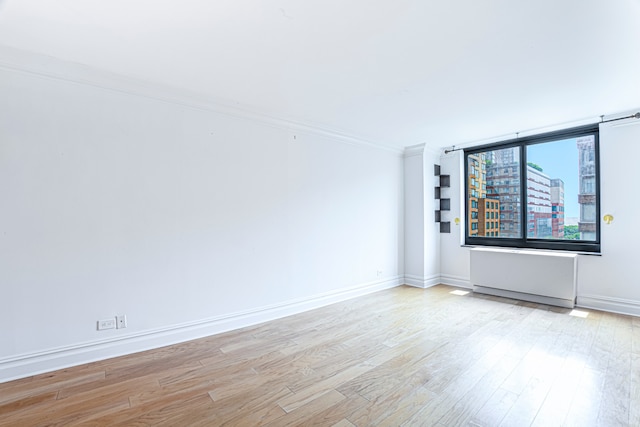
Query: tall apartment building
{"points": [[484, 208], [587, 187], [557, 208], [476, 191], [539, 209], [503, 186], [489, 217], [506, 155]]}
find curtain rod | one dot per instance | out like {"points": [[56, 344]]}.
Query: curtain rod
{"points": [[632, 116], [602, 120]]}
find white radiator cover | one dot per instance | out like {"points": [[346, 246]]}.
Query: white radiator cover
{"points": [[538, 276]]}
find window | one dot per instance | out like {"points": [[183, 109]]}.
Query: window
{"points": [[546, 188]]}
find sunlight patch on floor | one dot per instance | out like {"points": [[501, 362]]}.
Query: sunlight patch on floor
{"points": [[579, 313]]}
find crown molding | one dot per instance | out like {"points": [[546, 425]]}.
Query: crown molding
{"points": [[436, 152], [414, 150], [71, 72]]}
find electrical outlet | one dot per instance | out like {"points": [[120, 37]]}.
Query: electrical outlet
{"points": [[121, 321], [379, 273], [106, 324]]}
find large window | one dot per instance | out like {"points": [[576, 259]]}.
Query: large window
{"points": [[535, 192]]}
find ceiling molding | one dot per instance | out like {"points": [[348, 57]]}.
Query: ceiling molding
{"points": [[414, 150], [71, 72], [432, 150]]}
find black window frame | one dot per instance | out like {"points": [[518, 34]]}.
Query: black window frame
{"points": [[591, 246]]}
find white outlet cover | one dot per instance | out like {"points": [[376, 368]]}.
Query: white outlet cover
{"points": [[121, 321], [106, 324]]}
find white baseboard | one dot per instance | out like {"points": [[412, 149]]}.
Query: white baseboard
{"points": [[421, 282], [614, 305], [459, 281], [427, 282], [53, 359]]}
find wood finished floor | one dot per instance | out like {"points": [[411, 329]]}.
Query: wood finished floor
{"points": [[404, 356]]}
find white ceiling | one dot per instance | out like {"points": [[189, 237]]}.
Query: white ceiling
{"points": [[394, 72]]}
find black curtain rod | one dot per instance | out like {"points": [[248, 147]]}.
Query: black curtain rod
{"points": [[633, 116], [453, 148], [602, 120]]}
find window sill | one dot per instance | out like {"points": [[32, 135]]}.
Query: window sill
{"points": [[529, 250]]}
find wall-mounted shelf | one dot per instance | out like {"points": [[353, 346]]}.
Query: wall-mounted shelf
{"points": [[445, 204]]}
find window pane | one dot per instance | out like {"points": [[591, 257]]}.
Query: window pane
{"points": [[561, 189], [494, 195]]}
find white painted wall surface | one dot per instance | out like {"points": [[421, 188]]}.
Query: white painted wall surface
{"points": [[414, 217], [454, 260], [189, 222], [422, 235], [612, 281], [431, 228]]}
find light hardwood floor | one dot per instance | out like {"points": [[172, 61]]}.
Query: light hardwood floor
{"points": [[404, 356]]}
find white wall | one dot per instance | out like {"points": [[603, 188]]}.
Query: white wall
{"points": [[608, 282], [414, 216], [422, 233], [455, 259], [188, 221], [612, 281], [432, 228]]}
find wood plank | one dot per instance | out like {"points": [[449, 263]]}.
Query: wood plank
{"points": [[312, 392], [634, 409], [304, 415], [343, 423], [260, 403], [615, 403], [393, 408], [585, 405], [495, 409], [11, 392]]}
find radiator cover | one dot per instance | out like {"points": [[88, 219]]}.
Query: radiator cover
{"points": [[537, 276]]}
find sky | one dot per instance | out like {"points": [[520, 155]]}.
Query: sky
{"points": [[559, 159]]}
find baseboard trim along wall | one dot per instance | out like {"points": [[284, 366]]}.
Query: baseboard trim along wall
{"points": [[421, 282], [59, 358], [613, 305], [427, 282], [459, 281]]}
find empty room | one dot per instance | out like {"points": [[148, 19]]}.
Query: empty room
{"points": [[362, 213]]}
